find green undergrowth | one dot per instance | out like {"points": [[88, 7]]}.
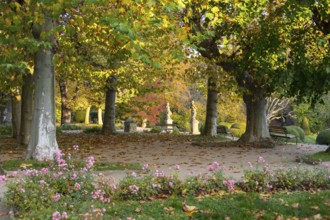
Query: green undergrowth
{"points": [[12, 165], [317, 157]]}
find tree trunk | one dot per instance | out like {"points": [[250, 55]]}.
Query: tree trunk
{"points": [[42, 143], [110, 103], [88, 110], [27, 107], [65, 109], [16, 114], [99, 116], [256, 121], [211, 108]]}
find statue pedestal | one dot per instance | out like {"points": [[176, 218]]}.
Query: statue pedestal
{"points": [[169, 124], [194, 127]]}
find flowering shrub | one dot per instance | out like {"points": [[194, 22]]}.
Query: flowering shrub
{"points": [[59, 187], [257, 179]]}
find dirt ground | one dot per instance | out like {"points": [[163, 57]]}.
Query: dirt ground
{"points": [[164, 152]]}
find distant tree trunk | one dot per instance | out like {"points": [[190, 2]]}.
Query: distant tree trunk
{"points": [[65, 109], [42, 143], [88, 110], [27, 107], [110, 110], [16, 114], [211, 109], [99, 116], [256, 121]]}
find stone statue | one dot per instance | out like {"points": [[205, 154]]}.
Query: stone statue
{"points": [[193, 110], [194, 129], [168, 119], [168, 112]]}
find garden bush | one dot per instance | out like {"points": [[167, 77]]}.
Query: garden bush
{"points": [[79, 116], [237, 132], [71, 127], [6, 129], [238, 125], [305, 126], [323, 137], [296, 131], [93, 129]]}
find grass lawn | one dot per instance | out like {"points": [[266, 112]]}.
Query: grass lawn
{"points": [[229, 206], [236, 206], [317, 157], [12, 165]]}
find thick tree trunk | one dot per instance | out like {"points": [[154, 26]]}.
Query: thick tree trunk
{"points": [[16, 114], [42, 143], [27, 107], [65, 109], [110, 110], [256, 121], [88, 110], [99, 116], [211, 109]]}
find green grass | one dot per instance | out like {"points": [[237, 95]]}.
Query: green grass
{"points": [[12, 165], [237, 206], [296, 205], [317, 157]]}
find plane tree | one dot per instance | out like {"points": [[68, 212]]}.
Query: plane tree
{"points": [[254, 43]]}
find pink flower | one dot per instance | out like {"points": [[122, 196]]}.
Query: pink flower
{"points": [[56, 215], [156, 185], [65, 215], [57, 197], [76, 186], [170, 184], [250, 164], [90, 162], [133, 174], [75, 147], [145, 166], [261, 159], [22, 190], [159, 173], [213, 167], [134, 189], [14, 173], [177, 167], [42, 182], [3, 178], [230, 184]]}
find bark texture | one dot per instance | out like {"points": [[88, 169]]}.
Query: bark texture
{"points": [[65, 109], [211, 109], [42, 144], [16, 114], [88, 110], [110, 107], [257, 132], [27, 107], [99, 116]]}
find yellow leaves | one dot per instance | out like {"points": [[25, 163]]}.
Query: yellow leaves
{"points": [[23, 165], [295, 205], [189, 209]]}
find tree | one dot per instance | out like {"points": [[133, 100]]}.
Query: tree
{"points": [[43, 144], [252, 43]]}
